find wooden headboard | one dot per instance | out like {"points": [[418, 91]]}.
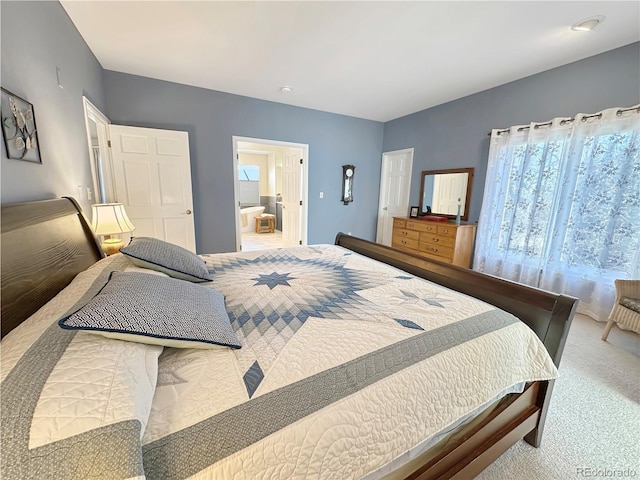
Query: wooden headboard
{"points": [[44, 245]]}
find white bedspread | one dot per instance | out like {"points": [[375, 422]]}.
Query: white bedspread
{"points": [[347, 365], [301, 313]]}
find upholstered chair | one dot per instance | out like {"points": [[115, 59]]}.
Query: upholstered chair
{"points": [[626, 309]]}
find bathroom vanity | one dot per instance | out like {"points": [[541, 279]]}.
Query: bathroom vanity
{"points": [[279, 216]]}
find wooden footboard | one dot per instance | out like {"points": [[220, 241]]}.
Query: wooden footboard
{"points": [[473, 447], [548, 314]]}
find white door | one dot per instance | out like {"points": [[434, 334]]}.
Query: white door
{"points": [[395, 184], [291, 197], [152, 175], [448, 191]]}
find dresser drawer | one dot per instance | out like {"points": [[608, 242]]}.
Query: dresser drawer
{"points": [[421, 226], [436, 240], [447, 230], [438, 250], [404, 243], [434, 257], [401, 232], [398, 222], [443, 241]]}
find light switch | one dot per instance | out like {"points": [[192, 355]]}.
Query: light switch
{"points": [[89, 194], [321, 194]]}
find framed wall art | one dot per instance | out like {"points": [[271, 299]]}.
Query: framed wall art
{"points": [[19, 128]]}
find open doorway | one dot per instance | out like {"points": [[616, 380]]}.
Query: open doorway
{"points": [[97, 125], [270, 192]]}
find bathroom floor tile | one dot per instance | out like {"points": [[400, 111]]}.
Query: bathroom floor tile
{"points": [[263, 241]]}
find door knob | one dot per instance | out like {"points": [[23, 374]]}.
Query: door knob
{"points": [[188, 212]]}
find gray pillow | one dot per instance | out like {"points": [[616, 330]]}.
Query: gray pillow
{"points": [[156, 310], [166, 257], [631, 303]]}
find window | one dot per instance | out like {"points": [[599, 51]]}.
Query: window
{"points": [[249, 172], [561, 207]]}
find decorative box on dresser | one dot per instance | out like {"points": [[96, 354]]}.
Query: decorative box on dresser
{"points": [[444, 241]]}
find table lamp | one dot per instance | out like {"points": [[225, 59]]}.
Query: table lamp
{"points": [[110, 219]]}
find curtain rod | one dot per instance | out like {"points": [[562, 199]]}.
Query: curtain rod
{"points": [[568, 120]]}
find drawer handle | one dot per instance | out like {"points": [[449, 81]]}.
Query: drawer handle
{"points": [[404, 233], [445, 231], [404, 242], [434, 250], [429, 229], [436, 239]]}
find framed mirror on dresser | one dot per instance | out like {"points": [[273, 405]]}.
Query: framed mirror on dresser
{"points": [[442, 191], [441, 231]]}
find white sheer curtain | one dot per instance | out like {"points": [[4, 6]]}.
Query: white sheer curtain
{"points": [[561, 207]]}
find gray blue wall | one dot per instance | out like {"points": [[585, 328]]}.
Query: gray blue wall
{"points": [[454, 134], [37, 37], [212, 118]]}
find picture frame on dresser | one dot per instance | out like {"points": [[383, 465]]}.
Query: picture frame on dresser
{"points": [[413, 212]]}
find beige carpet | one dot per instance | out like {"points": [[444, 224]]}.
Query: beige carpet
{"points": [[593, 424]]}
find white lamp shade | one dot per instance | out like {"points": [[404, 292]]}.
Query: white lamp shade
{"points": [[110, 219]]}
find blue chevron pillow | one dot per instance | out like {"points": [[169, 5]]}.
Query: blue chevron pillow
{"points": [[156, 310], [166, 257]]}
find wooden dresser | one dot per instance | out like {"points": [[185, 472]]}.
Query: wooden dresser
{"points": [[444, 241]]}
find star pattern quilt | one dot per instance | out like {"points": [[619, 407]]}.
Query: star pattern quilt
{"points": [[348, 369]]}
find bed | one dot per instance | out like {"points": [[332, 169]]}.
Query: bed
{"points": [[368, 368]]}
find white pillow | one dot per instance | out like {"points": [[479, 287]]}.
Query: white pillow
{"points": [[133, 268]]}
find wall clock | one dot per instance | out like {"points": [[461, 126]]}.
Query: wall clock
{"points": [[347, 183]]}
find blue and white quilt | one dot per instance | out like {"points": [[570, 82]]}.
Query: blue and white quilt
{"points": [[348, 369]]}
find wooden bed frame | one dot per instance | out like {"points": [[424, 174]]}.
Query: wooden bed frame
{"points": [[45, 244], [549, 315]]}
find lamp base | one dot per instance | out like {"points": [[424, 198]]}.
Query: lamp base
{"points": [[112, 245]]}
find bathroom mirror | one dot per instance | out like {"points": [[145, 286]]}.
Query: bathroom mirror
{"points": [[441, 191]]}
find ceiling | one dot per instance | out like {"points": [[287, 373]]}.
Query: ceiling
{"points": [[372, 60]]}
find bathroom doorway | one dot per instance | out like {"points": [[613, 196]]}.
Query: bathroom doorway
{"points": [[270, 190]]}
